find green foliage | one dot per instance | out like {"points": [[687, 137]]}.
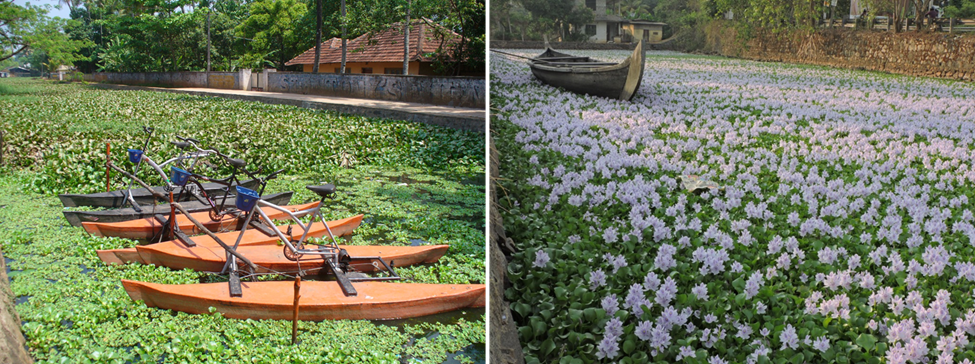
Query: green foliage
{"points": [[272, 136], [272, 26], [15, 27], [73, 305], [960, 9]]}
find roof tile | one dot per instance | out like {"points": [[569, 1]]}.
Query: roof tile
{"points": [[385, 46]]}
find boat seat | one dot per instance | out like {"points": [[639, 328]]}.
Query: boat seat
{"points": [[322, 190], [239, 163]]}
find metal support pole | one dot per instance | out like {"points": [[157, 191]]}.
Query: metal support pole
{"points": [[294, 320], [108, 171]]}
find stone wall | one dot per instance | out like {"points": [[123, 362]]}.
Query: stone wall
{"points": [[941, 55], [449, 91], [239, 80], [534, 44], [528, 44], [505, 343]]}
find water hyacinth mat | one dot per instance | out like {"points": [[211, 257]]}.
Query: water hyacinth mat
{"points": [[836, 225], [416, 185]]}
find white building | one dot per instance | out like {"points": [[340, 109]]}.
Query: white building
{"points": [[606, 24]]}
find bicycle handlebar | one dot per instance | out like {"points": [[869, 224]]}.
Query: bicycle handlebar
{"points": [[274, 175]]}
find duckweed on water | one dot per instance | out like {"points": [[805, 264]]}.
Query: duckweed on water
{"points": [[73, 307]]}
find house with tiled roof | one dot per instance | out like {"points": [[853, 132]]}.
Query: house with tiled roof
{"points": [[382, 52]]}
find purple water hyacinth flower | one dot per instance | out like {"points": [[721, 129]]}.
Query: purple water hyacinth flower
{"points": [[541, 259], [614, 327], [744, 331], [610, 235], [710, 318], [611, 304], [712, 260], [597, 279], [635, 299], [700, 291], [617, 262], [665, 257], [608, 348], [685, 352], [667, 292], [643, 330], [716, 360], [760, 308], [821, 344], [753, 284], [789, 338], [651, 282]]}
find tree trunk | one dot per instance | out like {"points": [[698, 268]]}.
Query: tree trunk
{"points": [[318, 35], [406, 41], [342, 68], [208, 41]]}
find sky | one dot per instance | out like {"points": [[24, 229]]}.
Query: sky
{"points": [[62, 13]]}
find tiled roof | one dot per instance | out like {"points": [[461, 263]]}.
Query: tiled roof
{"points": [[385, 46]]}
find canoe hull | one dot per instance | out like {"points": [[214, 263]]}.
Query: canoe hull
{"points": [[115, 199], [144, 229], [251, 237], [619, 81], [75, 218], [270, 258], [319, 300]]}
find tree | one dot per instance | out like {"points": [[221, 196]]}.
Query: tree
{"points": [[318, 35], [15, 24], [552, 12], [271, 25], [48, 38]]}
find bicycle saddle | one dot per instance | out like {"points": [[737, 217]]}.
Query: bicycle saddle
{"points": [[181, 145], [239, 163], [322, 190]]}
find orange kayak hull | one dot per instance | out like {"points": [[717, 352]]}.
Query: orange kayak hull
{"points": [[251, 237], [270, 258], [319, 300], [142, 229]]}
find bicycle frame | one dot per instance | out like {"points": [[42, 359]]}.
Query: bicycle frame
{"points": [[330, 253]]}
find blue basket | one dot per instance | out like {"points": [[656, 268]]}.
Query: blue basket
{"points": [[246, 198], [135, 156], [180, 176]]}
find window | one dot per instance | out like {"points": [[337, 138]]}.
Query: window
{"points": [[337, 69], [591, 4], [366, 69], [590, 29], [393, 71]]}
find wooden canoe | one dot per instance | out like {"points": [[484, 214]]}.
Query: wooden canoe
{"points": [[270, 258], [115, 199], [75, 218], [319, 300], [584, 75], [251, 237], [143, 229]]}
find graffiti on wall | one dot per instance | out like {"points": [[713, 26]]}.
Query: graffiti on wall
{"points": [[450, 91]]}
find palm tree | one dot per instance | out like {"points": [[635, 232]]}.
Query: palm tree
{"points": [[634, 9]]}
